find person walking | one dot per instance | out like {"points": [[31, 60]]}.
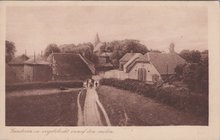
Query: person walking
{"points": [[91, 113]]}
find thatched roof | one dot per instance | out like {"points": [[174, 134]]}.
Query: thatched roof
{"points": [[140, 59], [165, 63], [19, 60], [127, 57], [38, 60], [66, 59]]}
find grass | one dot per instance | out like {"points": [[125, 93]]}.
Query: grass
{"points": [[57, 109], [180, 99], [127, 109]]}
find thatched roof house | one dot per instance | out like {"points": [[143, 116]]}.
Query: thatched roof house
{"points": [[165, 63], [67, 66]]}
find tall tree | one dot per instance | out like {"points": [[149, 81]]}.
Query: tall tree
{"points": [[195, 75], [120, 47], [193, 56], [9, 50], [196, 56], [51, 48]]}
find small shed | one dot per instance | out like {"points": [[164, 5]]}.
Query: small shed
{"points": [[10, 75], [17, 66], [37, 69]]}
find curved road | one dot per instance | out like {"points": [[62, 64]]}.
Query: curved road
{"points": [[90, 114]]}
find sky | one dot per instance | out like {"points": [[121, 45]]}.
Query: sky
{"points": [[32, 28]]}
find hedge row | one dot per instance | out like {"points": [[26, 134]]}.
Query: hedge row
{"points": [[179, 99], [51, 84]]}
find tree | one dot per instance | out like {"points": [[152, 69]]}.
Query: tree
{"points": [[10, 50], [120, 47], [179, 71], [205, 52], [51, 48], [185, 54], [193, 56], [85, 49], [194, 75]]}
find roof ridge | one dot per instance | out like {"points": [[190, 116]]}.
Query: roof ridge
{"points": [[90, 65]]}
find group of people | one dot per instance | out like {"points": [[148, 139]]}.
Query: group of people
{"points": [[91, 83]]}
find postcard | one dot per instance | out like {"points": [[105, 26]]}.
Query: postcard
{"points": [[109, 70]]}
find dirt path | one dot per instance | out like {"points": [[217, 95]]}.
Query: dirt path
{"points": [[80, 113], [90, 115]]}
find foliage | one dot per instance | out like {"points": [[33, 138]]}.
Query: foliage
{"points": [[10, 50], [85, 49], [179, 71], [195, 75], [120, 47], [204, 52], [179, 99], [193, 56], [51, 48]]}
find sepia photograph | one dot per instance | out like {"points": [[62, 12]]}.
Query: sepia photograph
{"points": [[99, 65]]}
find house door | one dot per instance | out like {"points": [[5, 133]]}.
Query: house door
{"points": [[142, 74]]}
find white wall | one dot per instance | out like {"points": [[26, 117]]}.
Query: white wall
{"points": [[133, 74], [116, 74], [150, 69]]}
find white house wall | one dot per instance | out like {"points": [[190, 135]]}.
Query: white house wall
{"points": [[150, 71], [116, 74]]}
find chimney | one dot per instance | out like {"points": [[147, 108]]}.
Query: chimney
{"points": [[25, 52], [171, 49]]}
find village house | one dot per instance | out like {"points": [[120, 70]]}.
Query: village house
{"points": [[68, 66], [16, 68], [140, 68], [37, 69], [151, 67], [165, 63]]}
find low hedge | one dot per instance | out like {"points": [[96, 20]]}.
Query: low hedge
{"points": [[50, 84], [179, 99]]}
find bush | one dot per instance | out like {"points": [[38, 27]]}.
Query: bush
{"points": [[179, 99]]}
